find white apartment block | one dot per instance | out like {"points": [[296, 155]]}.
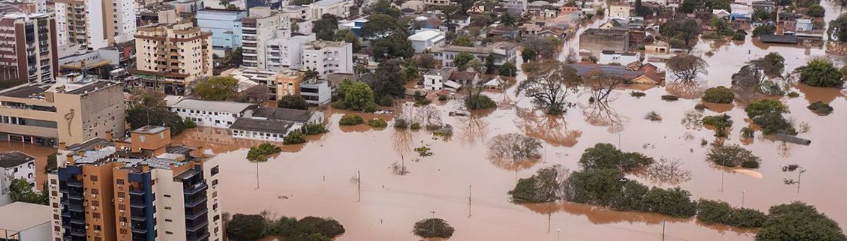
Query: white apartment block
{"points": [[220, 114], [327, 57], [14, 165], [257, 29], [425, 39], [95, 24], [340, 8], [284, 53], [172, 56]]}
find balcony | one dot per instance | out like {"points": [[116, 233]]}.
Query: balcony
{"points": [[190, 203], [196, 215], [198, 226], [138, 192], [74, 184], [204, 236], [196, 188]]}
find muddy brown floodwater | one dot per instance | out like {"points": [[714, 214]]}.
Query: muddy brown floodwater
{"points": [[318, 178]]}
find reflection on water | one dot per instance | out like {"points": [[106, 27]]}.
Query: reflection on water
{"points": [[602, 114], [552, 129]]}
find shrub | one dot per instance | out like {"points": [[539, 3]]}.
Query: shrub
{"points": [[262, 151], [747, 132], [433, 228], [245, 227], [544, 186], [672, 202], [386, 101], [653, 116], [799, 221], [637, 94], [313, 129], [731, 156], [415, 126], [820, 73], [607, 156], [717, 120], [768, 115], [292, 102], [719, 212], [294, 137], [479, 102], [820, 108], [377, 123], [401, 123], [720, 95], [442, 98], [670, 97], [750, 164], [793, 94], [423, 102], [423, 151], [351, 120]]}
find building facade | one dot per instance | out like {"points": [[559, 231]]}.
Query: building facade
{"points": [[95, 24], [501, 51], [29, 53], [219, 114], [71, 110], [138, 188], [327, 57], [15, 165], [171, 56], [262, 25], [225, 26], [339, 8], [272, 124], [425, 39]]}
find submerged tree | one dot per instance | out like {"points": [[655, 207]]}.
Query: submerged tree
{"points": [[549, 86], [545, 186], [601, 85], [799, 221], [686, 67], [517, 148]]}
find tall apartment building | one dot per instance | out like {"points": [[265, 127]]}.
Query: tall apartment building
{"points": [[327, 57], [138, 188], [262, 25], [28, 48], [169, 57], [225, 26], [71, 110], [95, 24], [340, 8], [14, 165], [284, 53]]}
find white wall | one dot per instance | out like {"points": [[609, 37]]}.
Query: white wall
{"points": [[207, 118], [170, 209], [214, 203], [433, 82], [37, 233], [336, 59]]}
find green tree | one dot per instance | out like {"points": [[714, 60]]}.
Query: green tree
{"points": [[732, 156], [21, 191], [389, 80], [772, 64], [544, 186], [673, 202], [148, 108], [528, 54], [217, 88], [380, 25], [816, 11], [489, 64], [51, 163], [768, 115], [384, 7], [719, 212], [359, 97], [508, 20], [261, 152], [720, 95], [838, 27], [820, 73], [292, 102], [508, 69], [595, 186], [347, 35], [463, 40], [393, 46], [684, 30], [764, 29], [607, 156], [799, 221], [689, 6], [550, 85], [433, 228], [462, 59], [234, 58], [244, 227], [325, 27]]}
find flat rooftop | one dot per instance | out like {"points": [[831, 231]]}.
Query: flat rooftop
{"points": [[150, 129], [13, 159], [24, 91], [24, 216], [259, 125], [213, 106]]}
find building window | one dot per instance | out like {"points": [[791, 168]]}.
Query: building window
{"points": [[119, 181], [93, 178], [215, 170]]}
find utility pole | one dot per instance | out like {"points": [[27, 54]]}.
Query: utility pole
{"points": [[359, 184], [742, 197], [257, 174], [470, 198], [722, 180], [799, 176], [663, 229]]}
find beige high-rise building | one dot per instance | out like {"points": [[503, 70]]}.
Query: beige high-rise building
{"points": [[257, 29], [95, 24], [28, 53], [169, 57], [136, 188], [70, 111]]}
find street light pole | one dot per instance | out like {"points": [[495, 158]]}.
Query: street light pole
{"points": [[742, 197], [558, 233]]}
